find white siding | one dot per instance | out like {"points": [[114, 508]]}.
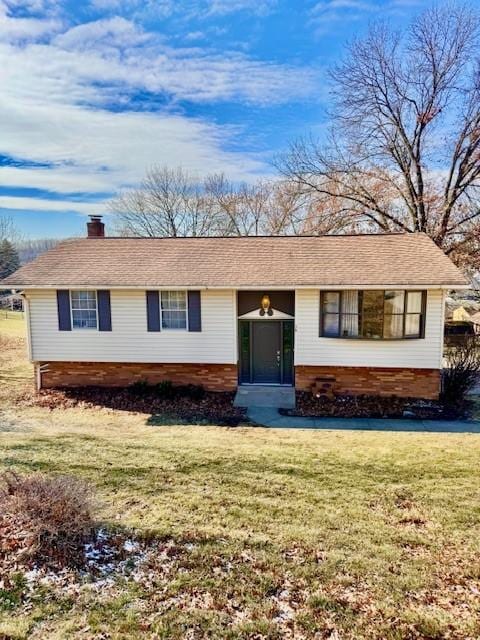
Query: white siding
{"points": [[310, 349], [129, 340]]}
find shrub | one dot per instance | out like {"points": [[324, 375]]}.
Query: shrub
{"points": [[165, 390], [44, 519], [461, 372], [140, 388], [192, 391]]}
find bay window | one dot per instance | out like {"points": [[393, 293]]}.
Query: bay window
{"points": [[372, 314]]}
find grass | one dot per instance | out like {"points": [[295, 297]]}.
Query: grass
{"points": [[362, 535]]}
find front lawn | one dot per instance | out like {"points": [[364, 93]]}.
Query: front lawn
{"points": [[265, 534]]}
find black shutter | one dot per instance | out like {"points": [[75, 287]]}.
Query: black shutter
{"points": [[63, 306], [194, 311], [104, 310], [320, 315], [153, 311]]}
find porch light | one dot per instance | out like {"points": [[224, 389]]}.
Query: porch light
{"points": [[265, 304]]}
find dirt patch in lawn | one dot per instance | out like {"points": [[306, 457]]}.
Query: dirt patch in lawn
{"points": [[183, 407]]}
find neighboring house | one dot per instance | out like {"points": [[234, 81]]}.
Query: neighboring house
{"points": [[367, 309], [462, 320], [460, 314], [12, 302]]}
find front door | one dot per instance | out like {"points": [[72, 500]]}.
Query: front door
{"points": [[266, 352]]}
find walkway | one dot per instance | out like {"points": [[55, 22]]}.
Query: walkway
{"points": [[270, 417], [263, 402]]}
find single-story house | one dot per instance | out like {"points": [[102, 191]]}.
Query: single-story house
{"points": [[365, 309]]}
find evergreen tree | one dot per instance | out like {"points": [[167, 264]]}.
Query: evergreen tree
{"points": [[9, 261]]}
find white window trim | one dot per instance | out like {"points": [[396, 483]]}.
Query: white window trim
{"points": [[186, 328], [95, 328]]}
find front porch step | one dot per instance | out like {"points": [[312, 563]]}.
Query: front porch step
{"points": [[265, 396]]}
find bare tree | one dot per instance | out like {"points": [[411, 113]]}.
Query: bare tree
{"points": [[403, 153], [243, 209], [8, 230], [171, 202]]}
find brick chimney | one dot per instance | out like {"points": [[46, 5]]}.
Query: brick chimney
{"points": [[95, 228]]}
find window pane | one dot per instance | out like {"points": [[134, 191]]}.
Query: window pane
{"points": [[174, 300], [84, 304], [372, 327], [84, 319], [372, 320], [393, 326], [174, 320], [414, 302], [349, 317], [330, 324], [331, 301], [83, 299], [373, 303], [174, 309], [349, 324], [412, 324], [394, 301]]}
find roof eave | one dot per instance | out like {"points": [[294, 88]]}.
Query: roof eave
{"points": [[380, 285]]}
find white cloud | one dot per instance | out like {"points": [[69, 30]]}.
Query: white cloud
{"points": [[88, 62], [57, 85], [112, 148], [186, 9], [325, 12], [112, 32], [34, 6], [328, 11], [224, 7], [14, 29], [194, 35], [61, 206]]}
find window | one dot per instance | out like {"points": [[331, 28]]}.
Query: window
{"points": [[372, 314], [394, 305], [413, 315], [174, 310], [84, 309]]}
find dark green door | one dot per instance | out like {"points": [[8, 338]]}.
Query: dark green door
{"points": [[266, 352]]}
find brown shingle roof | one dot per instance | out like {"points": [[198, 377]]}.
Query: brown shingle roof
{"points": [[396, 259]]}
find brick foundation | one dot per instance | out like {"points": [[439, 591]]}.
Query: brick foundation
{"points": [[214, 377], [414, 383]]}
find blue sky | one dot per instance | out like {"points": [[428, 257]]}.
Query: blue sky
{"points": [[95, 92]]}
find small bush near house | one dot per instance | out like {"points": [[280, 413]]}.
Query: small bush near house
{"points": [[140, 388], [461, 373], [43, 519], [182, 404], [364, 406], [192, 391], [166, 390]]}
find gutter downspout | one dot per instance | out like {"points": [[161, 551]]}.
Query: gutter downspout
{"points": [[36, 365]]}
